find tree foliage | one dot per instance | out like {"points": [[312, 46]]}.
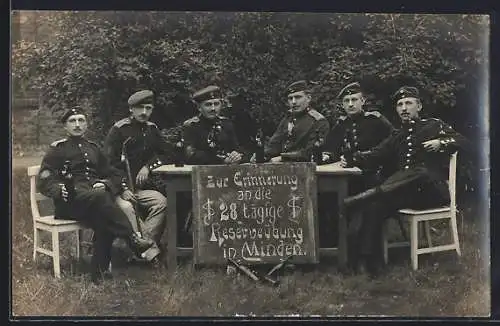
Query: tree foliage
{"points": [[100, 58]]}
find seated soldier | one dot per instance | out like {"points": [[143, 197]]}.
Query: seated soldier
{"points": [[422, 148], [135, 146], [208, 139], [357, 130], [76, 174], [296, 134]]}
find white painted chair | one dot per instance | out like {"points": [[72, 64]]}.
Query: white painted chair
{"points": [[49, 224], [425, 216]]}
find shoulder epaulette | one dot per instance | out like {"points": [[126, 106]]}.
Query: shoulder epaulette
{"points": [[93, 143], [192, 120], [122, 122], [315, 114], [373, 113], [57, 142], [151, 124]]}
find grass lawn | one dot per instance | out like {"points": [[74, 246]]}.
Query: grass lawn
{"points": [[443, 286]]}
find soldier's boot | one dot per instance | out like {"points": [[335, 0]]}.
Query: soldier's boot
{"points": [[361, 197], [138, 244]]}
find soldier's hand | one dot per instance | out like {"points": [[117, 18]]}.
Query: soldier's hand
{"points": [[64, 192], [253, 159], [142, 176], [99, 186], [432, 145], [325, 157], [233, 158], [276, 159], [343, 161], [128, 195]]}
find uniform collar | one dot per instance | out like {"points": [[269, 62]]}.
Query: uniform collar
{"points": [[356, 117], [76, 138], [137, 122]]}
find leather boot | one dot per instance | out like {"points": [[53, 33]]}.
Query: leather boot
{"points": [[352, 200], [138, 244]]}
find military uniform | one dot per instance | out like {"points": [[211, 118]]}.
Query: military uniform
{"points": [[360, 132], [295, 136], [143, 145], [96, 209], [419, 182], [208, 141]]}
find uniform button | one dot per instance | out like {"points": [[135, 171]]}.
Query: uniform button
{"points": [[410, 144], [410, 130], [345, 140], [408, 155], [406, 167], [85, 154], [80, 145], [408, 138], [354, 124], [88, 178], [408, 160], [410, 149], [354, 131], [356, 144], [354, 137]]}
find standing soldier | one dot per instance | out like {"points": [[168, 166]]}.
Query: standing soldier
{"points": [[208, 137], [134, 146], [422, 149], [89, 197], [357, 130], [297, 133]]}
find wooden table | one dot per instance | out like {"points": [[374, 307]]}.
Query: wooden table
{"points": [[330, 178]]}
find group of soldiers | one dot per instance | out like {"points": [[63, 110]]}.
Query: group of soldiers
{"points": [[113, 190]]}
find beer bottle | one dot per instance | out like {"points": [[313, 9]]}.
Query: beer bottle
{"points": [[259, 154]]}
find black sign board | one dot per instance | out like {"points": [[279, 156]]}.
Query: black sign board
{"points": [[255, 213]]}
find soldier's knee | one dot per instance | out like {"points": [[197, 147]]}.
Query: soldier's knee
{"points": [[160, 201], [125, 205]]}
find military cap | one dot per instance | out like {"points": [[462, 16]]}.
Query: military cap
{"points": [[406, 91], [72, 111], [141, 97], [297, 86], [207, 93], [350, 89]]}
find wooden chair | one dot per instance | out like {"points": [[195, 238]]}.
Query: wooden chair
{"points": [[49, 224], [425, 216]]}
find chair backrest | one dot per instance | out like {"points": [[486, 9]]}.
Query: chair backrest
{"points": [[452, 181], [35, 196]]}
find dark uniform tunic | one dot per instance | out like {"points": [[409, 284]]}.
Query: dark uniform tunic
{"points": [[146, 147], [96, 209], [208, 141], [360, 132], [350, 134], [295, 136], [421, 179]]}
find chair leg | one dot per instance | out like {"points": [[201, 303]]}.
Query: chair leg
{"points": [[55, 254], [428, 233], [402, 228], [414, 243], [35, 242], [454, 229], [78, 233], [385, 244]]}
